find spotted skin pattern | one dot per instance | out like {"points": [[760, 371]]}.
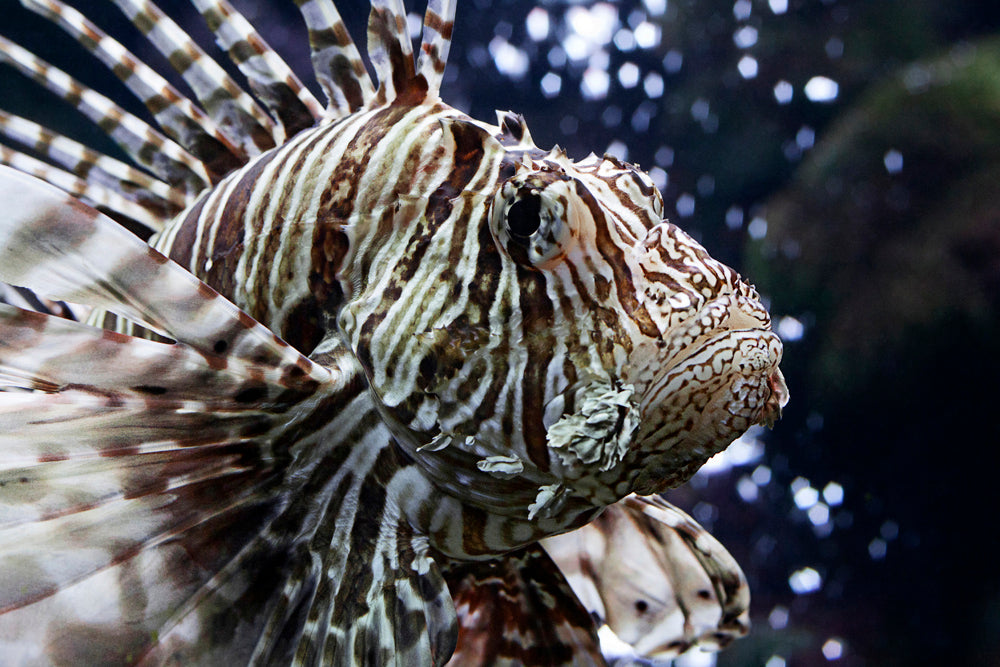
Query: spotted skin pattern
{"points": [[371, 355]]}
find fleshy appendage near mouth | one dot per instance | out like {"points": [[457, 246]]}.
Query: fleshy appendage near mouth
{"points": [[702, 386]]}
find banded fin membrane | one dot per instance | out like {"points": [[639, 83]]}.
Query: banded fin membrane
{"points": [[186, 502], [659, 580]]}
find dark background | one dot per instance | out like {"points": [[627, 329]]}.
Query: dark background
{"points": [[869, 220]]}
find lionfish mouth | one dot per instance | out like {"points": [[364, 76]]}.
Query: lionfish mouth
{"points": [[709, 378]]}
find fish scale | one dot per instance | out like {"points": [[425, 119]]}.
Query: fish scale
{"points": [[369, 357]]}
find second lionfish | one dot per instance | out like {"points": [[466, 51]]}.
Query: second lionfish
{"points": [[374, 352]]}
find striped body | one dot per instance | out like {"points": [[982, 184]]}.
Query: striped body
{"points": [[465, 344]]}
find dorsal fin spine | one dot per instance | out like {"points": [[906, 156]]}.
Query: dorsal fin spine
{"points": [[439, 21], [232, 109], [176, 114], [269, 77], [390, 49], [142, 143], [336, 61]]}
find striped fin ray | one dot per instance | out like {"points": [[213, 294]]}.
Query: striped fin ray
{"points": [[439, 20], [269, 76], [94, 194], [157, 197], [391, 53], [230, 107], [143, 144], [61, 249], [659, 580], [336, 60], [177, 115], [519, 610]]}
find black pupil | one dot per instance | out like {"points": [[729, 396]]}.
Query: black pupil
{"points": [[524, 216]]}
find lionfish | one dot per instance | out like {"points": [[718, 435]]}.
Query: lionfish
{"points": [[373, 356]]}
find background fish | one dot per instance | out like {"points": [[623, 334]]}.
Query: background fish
{"points": [[391, 349]]}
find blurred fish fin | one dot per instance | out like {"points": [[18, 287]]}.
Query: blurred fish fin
{"points": [[519, 610]]}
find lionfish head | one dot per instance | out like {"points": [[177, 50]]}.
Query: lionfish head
{"points": [[566, 334], [642, 319]]}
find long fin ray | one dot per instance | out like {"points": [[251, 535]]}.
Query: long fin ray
{"points": [[336, 61], [391, 53], [62, 249], [176, 114], [439, 21], [148, 191], [93, 194], [269, 76], [232, 109], [142, 143]]}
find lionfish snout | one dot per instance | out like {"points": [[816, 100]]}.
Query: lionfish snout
{"points": [[707, 368]]}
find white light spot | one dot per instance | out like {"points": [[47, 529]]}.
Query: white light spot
{"points": [[783, 92], [893, 161], [596, 25], [673, 61], [806, 580], [747, 67], [761, 475], [509, 59], [778, 6], [537, 23], [745, 37], [821, 89], [653, 85], [734, 217], [576, 47], [742, 9], [819, 514], [664, 156], [655, 7], [625, 40], [595, 84], [647, 35], [705, 513], [643, 114], [775, 661], [414, 25], [685, 205], [551, 84], [757, 229], [747, 489], [617, 149], [833, 494], [877, 548], [805, 138], [557, 57], [700, 109], [833, 649], [790, 328], [778, 618], [599, 59], [628, 75], [806, 497], [660, 177]]}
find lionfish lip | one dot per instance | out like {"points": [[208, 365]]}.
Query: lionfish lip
{"points": [[776, 401]]}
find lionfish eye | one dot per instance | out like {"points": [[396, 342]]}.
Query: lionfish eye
{"points": [[524, 217]]}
